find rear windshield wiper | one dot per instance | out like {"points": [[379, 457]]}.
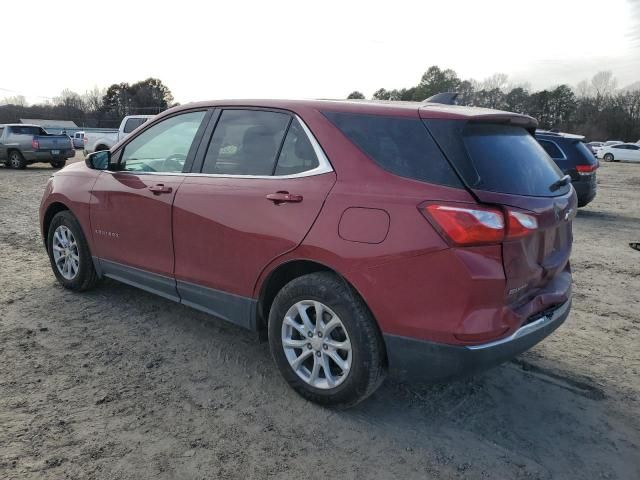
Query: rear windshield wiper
{"points": [[560, 183]]}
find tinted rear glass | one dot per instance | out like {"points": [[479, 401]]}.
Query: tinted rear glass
{"points": [[133, 123], [26, 130], [587, 155], [508, 159], [401, 146]]}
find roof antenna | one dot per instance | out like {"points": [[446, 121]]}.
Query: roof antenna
{"points": [[444, 98]]}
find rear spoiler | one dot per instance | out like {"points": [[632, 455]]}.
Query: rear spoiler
{"points": [[445, 104]]}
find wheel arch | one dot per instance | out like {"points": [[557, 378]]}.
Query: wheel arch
{"points": [[51, 211], [283, 274]]}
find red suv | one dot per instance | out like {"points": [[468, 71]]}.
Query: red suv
{"points": [[360, 238]]}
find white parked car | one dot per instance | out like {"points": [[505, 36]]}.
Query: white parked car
{"points": [[595, 147], [629, 152], [107, 138]]}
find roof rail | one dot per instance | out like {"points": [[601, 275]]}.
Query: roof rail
{"points": [[445, 98]]}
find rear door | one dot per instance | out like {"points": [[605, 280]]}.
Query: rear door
{"points": [[259, 186], [504, 165]]}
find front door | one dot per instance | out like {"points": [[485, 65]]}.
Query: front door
{"points": [[131, 206], [262, 184]]}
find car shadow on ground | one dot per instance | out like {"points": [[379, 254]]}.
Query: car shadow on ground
{"points": [[518, 406]]}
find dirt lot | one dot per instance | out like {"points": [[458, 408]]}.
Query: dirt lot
{"points": [[119, 384]]}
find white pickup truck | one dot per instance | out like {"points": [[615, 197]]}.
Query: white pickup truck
{"points": [[105, 139]]}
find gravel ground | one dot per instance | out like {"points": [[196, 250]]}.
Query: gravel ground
{"points": [[119, 384]]}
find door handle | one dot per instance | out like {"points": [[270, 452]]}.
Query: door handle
{"points": [[284, 197], [160, 188]]}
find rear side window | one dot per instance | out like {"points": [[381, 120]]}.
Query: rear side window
{"points": [[401, 146], [27, 130], [552, 149], [507, 159], [133, 123], [246, 142], [297, 153]]}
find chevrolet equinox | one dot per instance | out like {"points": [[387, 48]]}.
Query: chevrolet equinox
{"points": [[359, 238]]}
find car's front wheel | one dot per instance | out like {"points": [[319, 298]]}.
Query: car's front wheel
{"points": [[608, 157], [325, 341], [69, 253]]}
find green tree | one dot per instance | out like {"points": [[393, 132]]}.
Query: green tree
{"points": [[355, 95], [516, 100], [435, 80], [150, 96]]}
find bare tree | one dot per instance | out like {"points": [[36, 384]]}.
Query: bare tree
{"points": [[92, 99], [583, 89], [604, 85], [496, 81], [18, 100]]}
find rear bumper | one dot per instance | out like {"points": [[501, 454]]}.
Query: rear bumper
{"points": [[585, 190], [47, 156], [419, 360]]}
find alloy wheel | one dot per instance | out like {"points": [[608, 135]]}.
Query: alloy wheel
{"points": [[65, 252], [316, 344]]}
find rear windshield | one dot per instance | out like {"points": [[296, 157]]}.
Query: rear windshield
{"points": [[402, 146], [27, 131], [508, 159]]}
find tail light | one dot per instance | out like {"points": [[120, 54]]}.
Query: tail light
{"points": [[85, 140], [464, 226], [35, 144], [520, 224], [586, 169]]}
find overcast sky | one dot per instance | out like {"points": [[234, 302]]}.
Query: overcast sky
{"points": [[300, 49]]}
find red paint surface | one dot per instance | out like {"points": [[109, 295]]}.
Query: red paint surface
{"points": [[227, 235]]}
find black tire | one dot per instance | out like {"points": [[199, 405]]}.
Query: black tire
{"points": [[16, 160], [368, 361], [58, 163], [608, 157], [86, 276]]}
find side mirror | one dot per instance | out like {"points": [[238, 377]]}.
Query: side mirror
{"points": [[98, 160]]}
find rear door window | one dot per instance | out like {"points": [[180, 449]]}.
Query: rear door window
{"points": [[27, 130], [402, 146], [297, 153], [246, 142], [507, 159]]}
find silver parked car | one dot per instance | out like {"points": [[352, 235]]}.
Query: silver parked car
{"points": [[23, 144]]}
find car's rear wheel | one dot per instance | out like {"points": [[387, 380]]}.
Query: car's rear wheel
{"points": [[608, 157], [325, 341], [16, 160], [58, 163], [69, 253]]}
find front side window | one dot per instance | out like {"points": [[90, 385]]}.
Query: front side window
{"points": [[552, 149], [164, 146], [246, 142]]}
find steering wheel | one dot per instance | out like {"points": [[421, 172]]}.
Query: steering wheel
{"points": [[174, 162]]}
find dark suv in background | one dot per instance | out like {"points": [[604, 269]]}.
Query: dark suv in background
{"points": [[574, 158]]}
